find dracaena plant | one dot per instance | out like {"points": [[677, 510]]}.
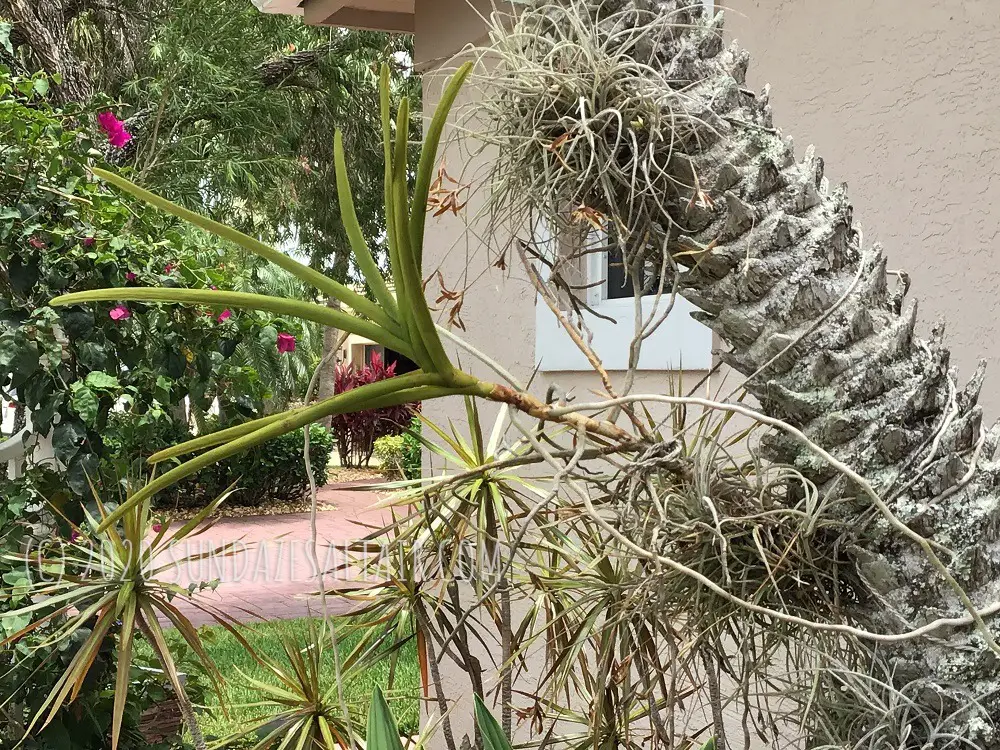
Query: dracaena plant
{"points": [[309, 713], [112, 581], [306, 712], [400, 321], [383, 734]]}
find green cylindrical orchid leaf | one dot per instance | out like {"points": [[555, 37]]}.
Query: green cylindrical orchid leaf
{"points": [[387, 187], [349, 297], [216, 438], [419, 321], [428, 158], [362, 255], [406, 395], [353, 400], [277, 305]]}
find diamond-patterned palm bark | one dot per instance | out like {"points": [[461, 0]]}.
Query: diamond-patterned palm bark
{"points": [[828, 338]]}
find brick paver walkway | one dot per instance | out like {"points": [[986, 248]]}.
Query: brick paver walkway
{"points": [[269, 574]]}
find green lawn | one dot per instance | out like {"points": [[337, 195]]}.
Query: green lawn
{"points": [[230, 656]]}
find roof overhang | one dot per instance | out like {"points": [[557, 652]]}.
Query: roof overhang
{"points": [[379, 15]]}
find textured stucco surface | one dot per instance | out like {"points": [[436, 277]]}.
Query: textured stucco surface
{"points": [[899, 98]]}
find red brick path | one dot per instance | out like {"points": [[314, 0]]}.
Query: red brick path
{"points": [[271, 576]]}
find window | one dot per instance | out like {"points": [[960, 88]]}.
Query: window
{"points": [[680, 342], [617, 283]]}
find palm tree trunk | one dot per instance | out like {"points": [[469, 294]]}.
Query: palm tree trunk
{"points": [[328, 364], [828, 345]]}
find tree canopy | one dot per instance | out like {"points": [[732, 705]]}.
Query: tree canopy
{"points": [[231, 111]]}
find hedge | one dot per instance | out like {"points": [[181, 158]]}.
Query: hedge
{"points": [[271, 473]]}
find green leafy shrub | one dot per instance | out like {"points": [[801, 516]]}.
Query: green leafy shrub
{"points": [[412, 451], [61, 231], [401, 454], [389, 451], [273, 472]]}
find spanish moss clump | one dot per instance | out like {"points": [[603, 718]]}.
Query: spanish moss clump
{"points": [[632, 117]]}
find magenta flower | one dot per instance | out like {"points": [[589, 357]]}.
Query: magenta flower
{"points": [[130, 276], [214, 288], [88, 241], [114, 128], [286, 343], [36, 243], [119, 313], [169, 267], [157, 528], [74, 535], [225, 315]]}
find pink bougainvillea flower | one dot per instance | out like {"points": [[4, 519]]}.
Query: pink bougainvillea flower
{"points": [[108, 122], [130, 276], [114, 128], [286, 343], [119, 313], [224, 315], [119, 139], [36, 243], [88, 241]]}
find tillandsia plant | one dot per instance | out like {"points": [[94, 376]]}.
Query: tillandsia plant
{"points": [[400, 321], [111, 581]]}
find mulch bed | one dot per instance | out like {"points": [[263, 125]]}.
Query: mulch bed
{"points": [[161, 722], [337, 475]]}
